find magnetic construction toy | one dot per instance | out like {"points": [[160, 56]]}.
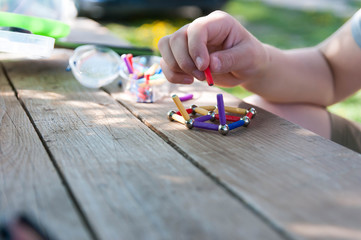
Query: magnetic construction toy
{"points": [[211, 113]]}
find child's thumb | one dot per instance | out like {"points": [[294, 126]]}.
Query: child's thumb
{"points": [[224, 61]]}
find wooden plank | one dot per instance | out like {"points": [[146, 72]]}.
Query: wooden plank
{"points": [[302, 183], [130, 183], [28, 180]]}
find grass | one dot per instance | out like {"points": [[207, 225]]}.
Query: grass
{"points": [[283, 28]]}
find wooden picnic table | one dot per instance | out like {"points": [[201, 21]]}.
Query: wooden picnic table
{"points": [[95, 164]]}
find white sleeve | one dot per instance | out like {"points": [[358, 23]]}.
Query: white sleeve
{"points": [[356, 27]]}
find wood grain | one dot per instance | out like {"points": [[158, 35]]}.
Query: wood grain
{"points": [[28, 180], [300, 182], [130, 183]]}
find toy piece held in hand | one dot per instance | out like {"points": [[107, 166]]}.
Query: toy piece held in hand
{"points": [[209, 77]]}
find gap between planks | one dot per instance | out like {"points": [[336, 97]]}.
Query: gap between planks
{"points": [[278, 229]]}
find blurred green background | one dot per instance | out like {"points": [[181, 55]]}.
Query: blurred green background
{"points": [[279, 26]]}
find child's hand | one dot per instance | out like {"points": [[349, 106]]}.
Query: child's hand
{"points": [[217, 40]]}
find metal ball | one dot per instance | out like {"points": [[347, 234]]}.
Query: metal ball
{"points": [[253, 111], [246, 121], [189, 123], [170, 114], [223, 129], [193, 107], [213, 116]]}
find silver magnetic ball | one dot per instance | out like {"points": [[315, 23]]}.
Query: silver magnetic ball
{"points": [[253, 111], [213, 116], [193, 107], [246, 121], [189, 123], [223, 129], [170, 114]]}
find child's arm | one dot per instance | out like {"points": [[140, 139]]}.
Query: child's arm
{"points": [[320, 75], [343, 56]]}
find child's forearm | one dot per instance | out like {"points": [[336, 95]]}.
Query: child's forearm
{"points": [[301, 75], [323, 75]]}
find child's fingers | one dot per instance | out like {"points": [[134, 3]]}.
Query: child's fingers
{"points": [[227, 80], [175, 76], [179, 47], [243, 60], [209, 33], [197, 44], [174, 51], [167, 53]]}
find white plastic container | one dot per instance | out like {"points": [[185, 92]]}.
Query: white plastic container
{"points": [[28, 27], [26, 44]]}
